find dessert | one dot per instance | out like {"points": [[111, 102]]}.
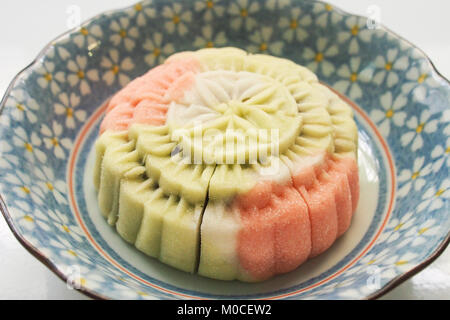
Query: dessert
{"points": [[229, 165]]}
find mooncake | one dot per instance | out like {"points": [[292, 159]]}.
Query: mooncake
{"points": [[228, 164]]}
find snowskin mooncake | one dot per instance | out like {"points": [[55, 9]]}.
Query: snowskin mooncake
{"points": [[227, 164]]}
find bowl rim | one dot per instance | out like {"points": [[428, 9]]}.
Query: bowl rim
{"points": [[393, 283]]}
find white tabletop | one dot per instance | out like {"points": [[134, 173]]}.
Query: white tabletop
{"points": [[424, 23]]}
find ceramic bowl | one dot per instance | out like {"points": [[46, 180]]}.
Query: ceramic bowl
{"points": [[51, 112]]}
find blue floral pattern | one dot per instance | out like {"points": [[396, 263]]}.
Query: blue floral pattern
{"points": [[392, 81]]}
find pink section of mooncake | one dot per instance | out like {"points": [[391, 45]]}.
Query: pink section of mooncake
{"points": [[322, 214], [147, 98], [343, 198], [330, 188], [150, 112], [306, 176], [349, 166], [118, 119], [284, 225], [275, 235]]}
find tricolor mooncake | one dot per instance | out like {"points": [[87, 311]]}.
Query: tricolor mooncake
{"points": [[227, 164]]}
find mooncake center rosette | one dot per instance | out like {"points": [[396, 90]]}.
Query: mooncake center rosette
{"points": [[234, 117]]}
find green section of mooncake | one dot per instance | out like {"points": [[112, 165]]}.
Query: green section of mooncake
{"points": [[162, 226], [170, 231], [133, 195], [119, 157], [174, 174]]}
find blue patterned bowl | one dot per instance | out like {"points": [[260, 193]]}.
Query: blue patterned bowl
{"points": [[51, 112]]}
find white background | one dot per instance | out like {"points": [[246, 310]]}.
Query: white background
{"points": [[26, 26]]}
